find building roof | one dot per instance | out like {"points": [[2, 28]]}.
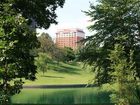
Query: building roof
{"points": [[70, 30]]}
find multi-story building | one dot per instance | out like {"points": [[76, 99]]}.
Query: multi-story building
{"points": [[69, 38]]}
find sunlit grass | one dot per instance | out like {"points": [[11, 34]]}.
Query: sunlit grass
{"points": [[63, 73]]}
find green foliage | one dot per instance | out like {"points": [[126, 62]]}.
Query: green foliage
{"points": [[47, 45], [42, 62], [16, 41], [18, 20], [123, 75], [69, 54], [42, 12], [58, 54], [63, 54], [112, 19], [115, 22]]}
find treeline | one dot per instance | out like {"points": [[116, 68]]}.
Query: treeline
{"points": [[50, 52]]}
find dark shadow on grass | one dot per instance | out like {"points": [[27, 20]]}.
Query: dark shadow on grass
{"points": [[51, 76], [66, 69], [69, 70]]}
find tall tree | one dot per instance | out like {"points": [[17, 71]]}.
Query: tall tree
{"points": [[112, 19], [58, 54], [42, 62], [18, 20], [69, 54], [47, 44], [123, 75]]}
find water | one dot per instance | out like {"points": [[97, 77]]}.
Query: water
{"points": [[61, 96]]}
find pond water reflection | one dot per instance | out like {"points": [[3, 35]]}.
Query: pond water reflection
{"points": [[61, 96]]}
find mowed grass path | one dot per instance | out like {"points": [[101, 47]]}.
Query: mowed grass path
{"points": [[63, 73]]}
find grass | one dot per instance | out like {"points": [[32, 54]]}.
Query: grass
{"points": [[63, 73]]}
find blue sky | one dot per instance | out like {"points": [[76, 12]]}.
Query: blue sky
{"points": [[71, 16]]}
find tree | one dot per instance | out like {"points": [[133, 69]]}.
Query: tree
{"points": [[47, 45], [41, 12], [69, 54], [42, 62], [52, 50], [18, 20], [58, 54], [63, 54], [112, 19], [123, 73]]}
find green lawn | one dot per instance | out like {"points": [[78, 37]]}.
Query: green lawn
{"points": [[63, 73]]}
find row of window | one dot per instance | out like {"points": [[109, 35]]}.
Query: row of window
{"points": [[67, 43], [66, 34]]}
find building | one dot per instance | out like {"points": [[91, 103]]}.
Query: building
{"points": [[69, 38]]}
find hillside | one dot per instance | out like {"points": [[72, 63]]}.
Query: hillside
{"points": [[63, 73]]}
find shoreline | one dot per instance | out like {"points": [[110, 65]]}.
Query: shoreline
{"points": [[59, 86]]}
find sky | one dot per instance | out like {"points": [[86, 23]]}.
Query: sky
{"points": [[71, 16]]}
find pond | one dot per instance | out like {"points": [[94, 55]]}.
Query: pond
{"points": [[61, 96]]}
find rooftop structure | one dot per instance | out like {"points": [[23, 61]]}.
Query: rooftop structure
{"points": [[69, 37]]}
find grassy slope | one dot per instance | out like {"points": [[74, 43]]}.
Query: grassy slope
{"points": [[62, 73]]}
